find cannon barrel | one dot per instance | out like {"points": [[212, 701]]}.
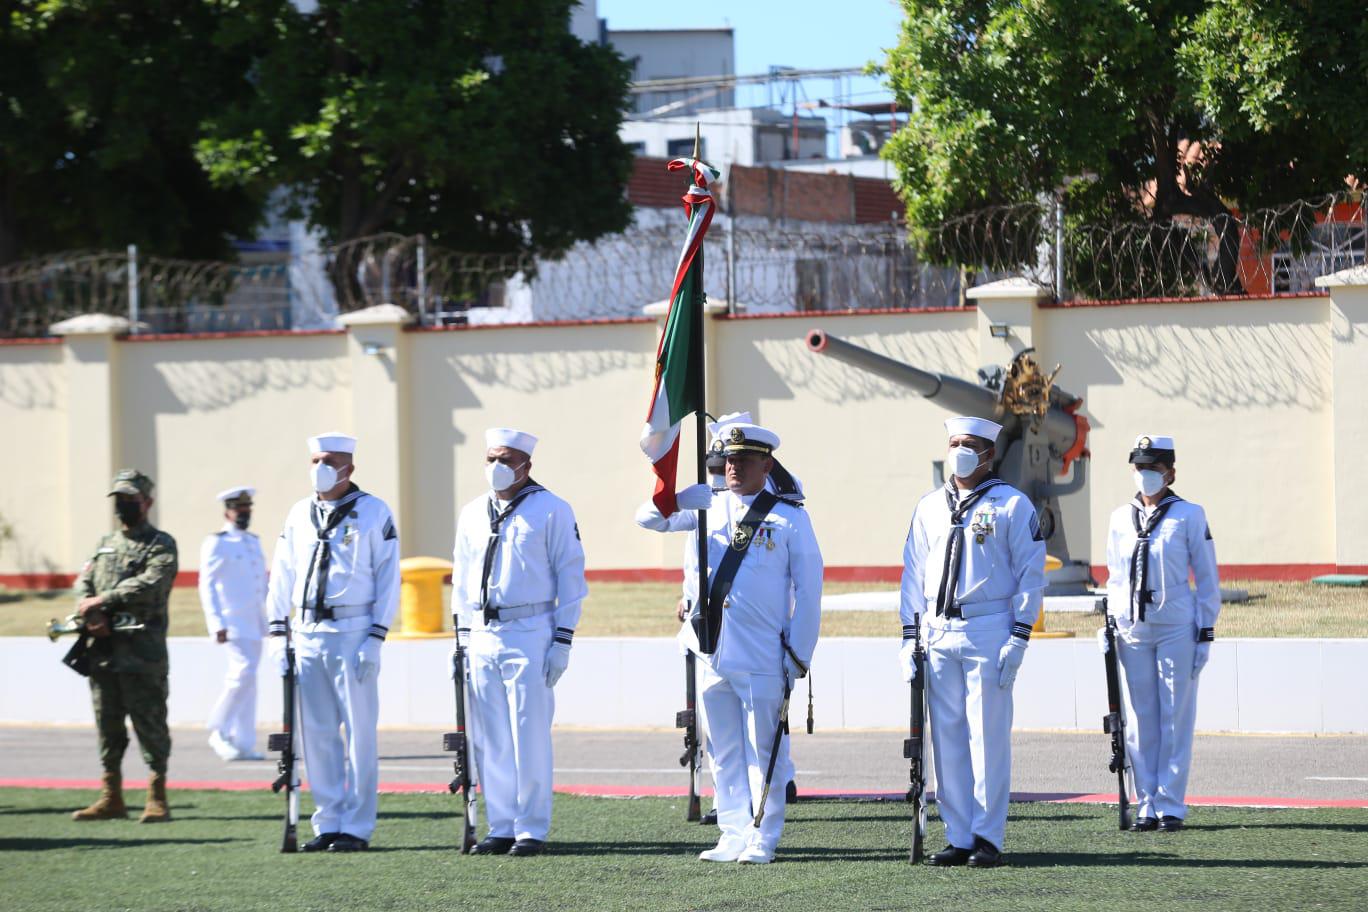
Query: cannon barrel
{"points": [[960, 396]]}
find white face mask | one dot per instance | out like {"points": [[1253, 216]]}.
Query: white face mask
{"points": [[962, 461], [501, 477], [1148, 481], [324, 477]]}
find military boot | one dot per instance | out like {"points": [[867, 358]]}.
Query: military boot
{"points": [[156, 810], [110, 804]]}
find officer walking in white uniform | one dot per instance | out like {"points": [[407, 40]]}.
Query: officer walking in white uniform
{"points": [[767, 599], [1165, 628], [973, 572], [232, 590], [336, 569], [518, 577]]}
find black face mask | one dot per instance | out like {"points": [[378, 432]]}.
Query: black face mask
{"points": [[243, 520], [128, 511]]}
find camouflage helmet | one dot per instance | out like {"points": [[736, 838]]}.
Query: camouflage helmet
{"points": [[131, 481]]}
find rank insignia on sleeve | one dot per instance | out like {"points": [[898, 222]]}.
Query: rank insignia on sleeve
{"points": [[390, 533]]}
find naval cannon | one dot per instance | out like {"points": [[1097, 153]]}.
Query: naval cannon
{"points": [[1042, 450]]}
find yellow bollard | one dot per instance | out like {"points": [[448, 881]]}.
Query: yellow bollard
{"points": [[420, 597], [1038, 631]]}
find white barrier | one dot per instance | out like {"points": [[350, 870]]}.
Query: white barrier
{"points": [[1250, 685]]}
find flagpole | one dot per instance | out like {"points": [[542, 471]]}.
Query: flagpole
{"points": [[701, 432]]}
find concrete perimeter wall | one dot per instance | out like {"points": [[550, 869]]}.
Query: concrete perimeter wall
{"points": [[1268, 400], [1251, 685]]}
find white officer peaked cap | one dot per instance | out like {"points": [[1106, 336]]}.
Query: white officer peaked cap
{"points": [[730, 418], [508, 437], [1152, 448], [230, 494], [744, 437], [332, 442], [979, 427]]}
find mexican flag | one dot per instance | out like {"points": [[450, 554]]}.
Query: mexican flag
{"points": [[678, 390]]}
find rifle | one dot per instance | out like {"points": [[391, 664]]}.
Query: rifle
{"points": [[285, 743], [459, 742], [914, 752], [1114, 722], [687, 719]]}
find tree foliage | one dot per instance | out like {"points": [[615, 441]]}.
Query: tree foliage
{"points": [[1012, 99], [100, 107], [486, 126]]}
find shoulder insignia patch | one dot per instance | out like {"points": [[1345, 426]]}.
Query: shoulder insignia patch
{"points": [[1208, 533], [577, 535], [1035, 528], [390, 533]]}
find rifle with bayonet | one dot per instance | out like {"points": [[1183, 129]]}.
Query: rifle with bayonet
{"points": [[459, 743], [1114, 722], [914, 751], [687, 719], [284, 742]]}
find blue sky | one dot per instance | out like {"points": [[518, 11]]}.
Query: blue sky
{"points": [[808, 34]]}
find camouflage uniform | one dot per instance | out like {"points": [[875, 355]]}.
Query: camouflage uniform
{"points": [[134, 571]]}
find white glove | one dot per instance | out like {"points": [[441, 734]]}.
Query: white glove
{"points": [[1009, 660], [909, 667], [1102, 645], [462, 637], [791, 668], [276, 645], [368, 660], [1200, 657], [694, 497], [557, 660]]}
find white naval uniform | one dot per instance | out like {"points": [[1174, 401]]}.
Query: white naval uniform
{"points": [[232, 591], [999, 595], [1157, 652], [537, 575], [776, 591], [362, 589]]}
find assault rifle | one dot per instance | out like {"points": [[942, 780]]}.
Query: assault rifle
{"points": [[914, 752], [687, 719], [459, 742], [1114, 722], [285, 743]]}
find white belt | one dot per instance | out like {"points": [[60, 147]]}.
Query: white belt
{"points": [[980, 609], [341, 612], [518, 612]]}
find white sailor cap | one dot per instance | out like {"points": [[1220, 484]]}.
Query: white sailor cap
{"points": [[332, 442], [508, 437], [744, 437], [1152, 448], [979, 427], [729, 418], [231, 496]]}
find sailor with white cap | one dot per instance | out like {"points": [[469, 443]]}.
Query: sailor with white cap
{"points": [[336, 569], [1165, 628], [517, 589], [766, 599], [232, 590], [973, 573]]}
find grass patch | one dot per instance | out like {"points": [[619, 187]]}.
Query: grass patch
{"points": [[1281, 609], [220, 854]]}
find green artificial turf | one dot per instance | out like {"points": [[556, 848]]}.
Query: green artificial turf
{"points": [[220, 853]]}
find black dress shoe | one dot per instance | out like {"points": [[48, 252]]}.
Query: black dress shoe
{"points": [[492, 845], [1170, 824], [320, 842], [1145, 825], [710, 818], [949, 857], [346, 842], [985, 855], [791, 792], [525, 847]]}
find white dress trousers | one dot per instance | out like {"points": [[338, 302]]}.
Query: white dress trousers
{"points": [[338, 726], [513, 709], [234, 713], [1161, 713]]}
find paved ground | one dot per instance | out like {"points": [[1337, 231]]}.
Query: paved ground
{"points": [[1324, 768]]}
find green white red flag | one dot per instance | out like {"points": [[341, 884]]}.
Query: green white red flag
{"points": [[678, 390]]}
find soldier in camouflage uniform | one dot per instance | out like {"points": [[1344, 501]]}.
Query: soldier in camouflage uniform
{"points": [[131, 572]]}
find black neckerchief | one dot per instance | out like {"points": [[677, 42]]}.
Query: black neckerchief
{"points": [[322, 552], [496, 521], [954, 542], [1140, 593]]}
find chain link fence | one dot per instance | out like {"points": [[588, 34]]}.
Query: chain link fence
{"points": [[756, 265]]}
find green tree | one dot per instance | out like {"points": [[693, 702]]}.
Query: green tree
{"points": [[1013, 99], [486, 126], [100, 109]]}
